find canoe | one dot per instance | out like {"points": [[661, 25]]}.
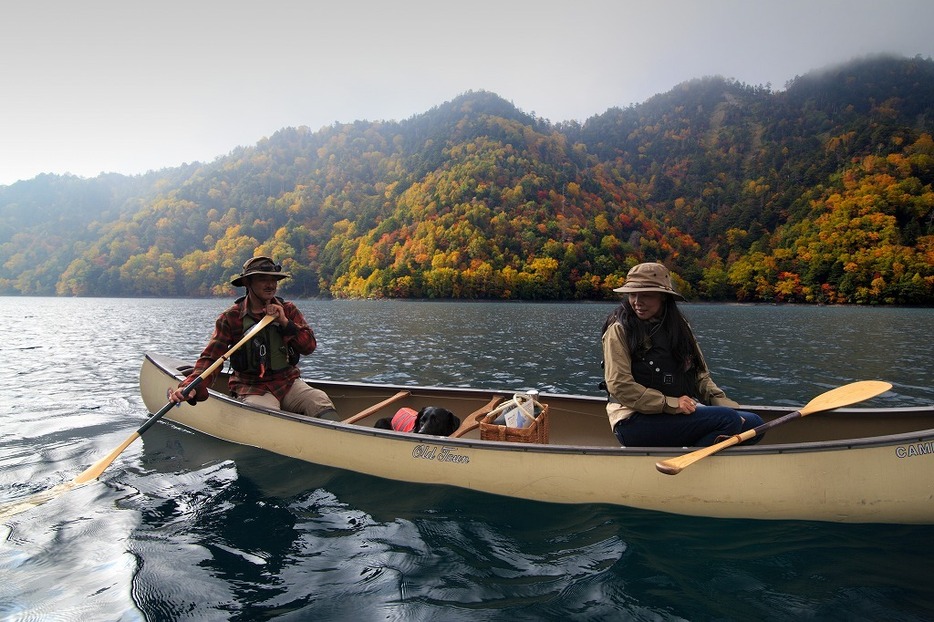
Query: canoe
{"points": [[851, 465]]}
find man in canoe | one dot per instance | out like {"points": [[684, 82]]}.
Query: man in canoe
{"points": [[660, 390], [265, 368]]}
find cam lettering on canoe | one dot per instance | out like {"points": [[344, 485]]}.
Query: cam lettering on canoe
{"points": [[918, 449]]}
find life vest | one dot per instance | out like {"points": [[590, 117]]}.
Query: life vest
{"points": [[657, 369], [267, 351], [404, 420]]}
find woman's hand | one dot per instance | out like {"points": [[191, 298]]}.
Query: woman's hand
{"points": [[686, 405]]}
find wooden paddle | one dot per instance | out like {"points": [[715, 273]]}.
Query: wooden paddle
{"points": [[835, 398], [98, 467]]}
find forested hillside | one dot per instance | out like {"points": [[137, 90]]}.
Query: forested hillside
{"points": [[818, 193]]}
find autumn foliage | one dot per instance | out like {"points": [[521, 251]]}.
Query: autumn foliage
{"points": [[821, 193]]}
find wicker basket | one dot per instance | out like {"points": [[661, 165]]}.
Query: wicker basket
{"points": [[535, 433]]}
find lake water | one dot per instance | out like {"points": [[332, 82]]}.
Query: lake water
{"points": [[184, 527]]}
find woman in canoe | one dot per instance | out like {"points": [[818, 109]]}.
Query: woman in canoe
{"points": [[660, 390]]}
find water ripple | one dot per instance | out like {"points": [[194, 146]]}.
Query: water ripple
{"points": [[185, 527]]}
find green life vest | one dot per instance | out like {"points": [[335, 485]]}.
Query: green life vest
{"points": [[266, 351]]}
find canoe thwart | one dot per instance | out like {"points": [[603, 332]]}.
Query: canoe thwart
{"points": [[366, 412], [472, 421]]}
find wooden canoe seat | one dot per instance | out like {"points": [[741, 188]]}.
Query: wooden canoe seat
{"points": [[472, 421], [363, 414]]}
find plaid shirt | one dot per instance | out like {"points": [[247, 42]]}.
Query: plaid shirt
{"points": [[228, 330]]}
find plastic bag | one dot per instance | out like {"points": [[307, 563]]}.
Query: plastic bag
{"points": [[520, 412]]}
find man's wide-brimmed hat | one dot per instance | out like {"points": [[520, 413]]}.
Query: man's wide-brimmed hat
{"points": [[260, 265], [649, 277]]}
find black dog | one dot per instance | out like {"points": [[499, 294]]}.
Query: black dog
{"points": [[429, 420]]}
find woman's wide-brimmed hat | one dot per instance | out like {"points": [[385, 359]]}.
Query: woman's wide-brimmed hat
{"points": [[260, 265], [649, 277]]}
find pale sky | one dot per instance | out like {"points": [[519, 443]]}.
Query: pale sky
{"points": [[128, 86]]}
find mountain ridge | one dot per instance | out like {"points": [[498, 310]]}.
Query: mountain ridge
{"points": [[734, 187]]}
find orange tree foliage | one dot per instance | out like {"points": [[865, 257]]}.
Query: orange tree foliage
{"points": [[855, 248]]}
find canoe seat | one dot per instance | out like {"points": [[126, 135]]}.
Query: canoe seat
{"points": [[472, 421], [363, 414]]}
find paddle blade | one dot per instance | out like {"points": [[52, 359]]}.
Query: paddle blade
{"points": [[95, 470], [90, 474], [12, 509], [845, 395]]}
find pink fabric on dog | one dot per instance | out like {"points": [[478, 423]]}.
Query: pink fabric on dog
{"points": [[404, 420]]}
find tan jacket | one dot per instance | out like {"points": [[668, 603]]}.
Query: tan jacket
{"points": [[628, 397]]}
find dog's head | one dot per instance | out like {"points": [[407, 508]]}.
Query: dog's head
{"points": [[437, 421]]}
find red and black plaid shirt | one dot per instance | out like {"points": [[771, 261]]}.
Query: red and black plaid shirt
{"points": [[228, 330]]}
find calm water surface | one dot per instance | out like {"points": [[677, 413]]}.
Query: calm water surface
{"points": [[183, 527]]}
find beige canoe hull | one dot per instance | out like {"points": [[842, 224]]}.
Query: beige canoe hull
{"points": [[885, 478]]}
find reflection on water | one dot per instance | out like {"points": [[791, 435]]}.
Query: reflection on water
{"points": [[184, 527]]}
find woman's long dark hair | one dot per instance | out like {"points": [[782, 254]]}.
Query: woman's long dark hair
{"points": [[681, 340]]}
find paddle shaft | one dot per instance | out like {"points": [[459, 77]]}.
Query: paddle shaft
{"points": [[98, 467], [835, 398]]}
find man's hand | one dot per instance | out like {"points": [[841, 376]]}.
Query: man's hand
{"points": [[278, 312], [177, 397]]}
